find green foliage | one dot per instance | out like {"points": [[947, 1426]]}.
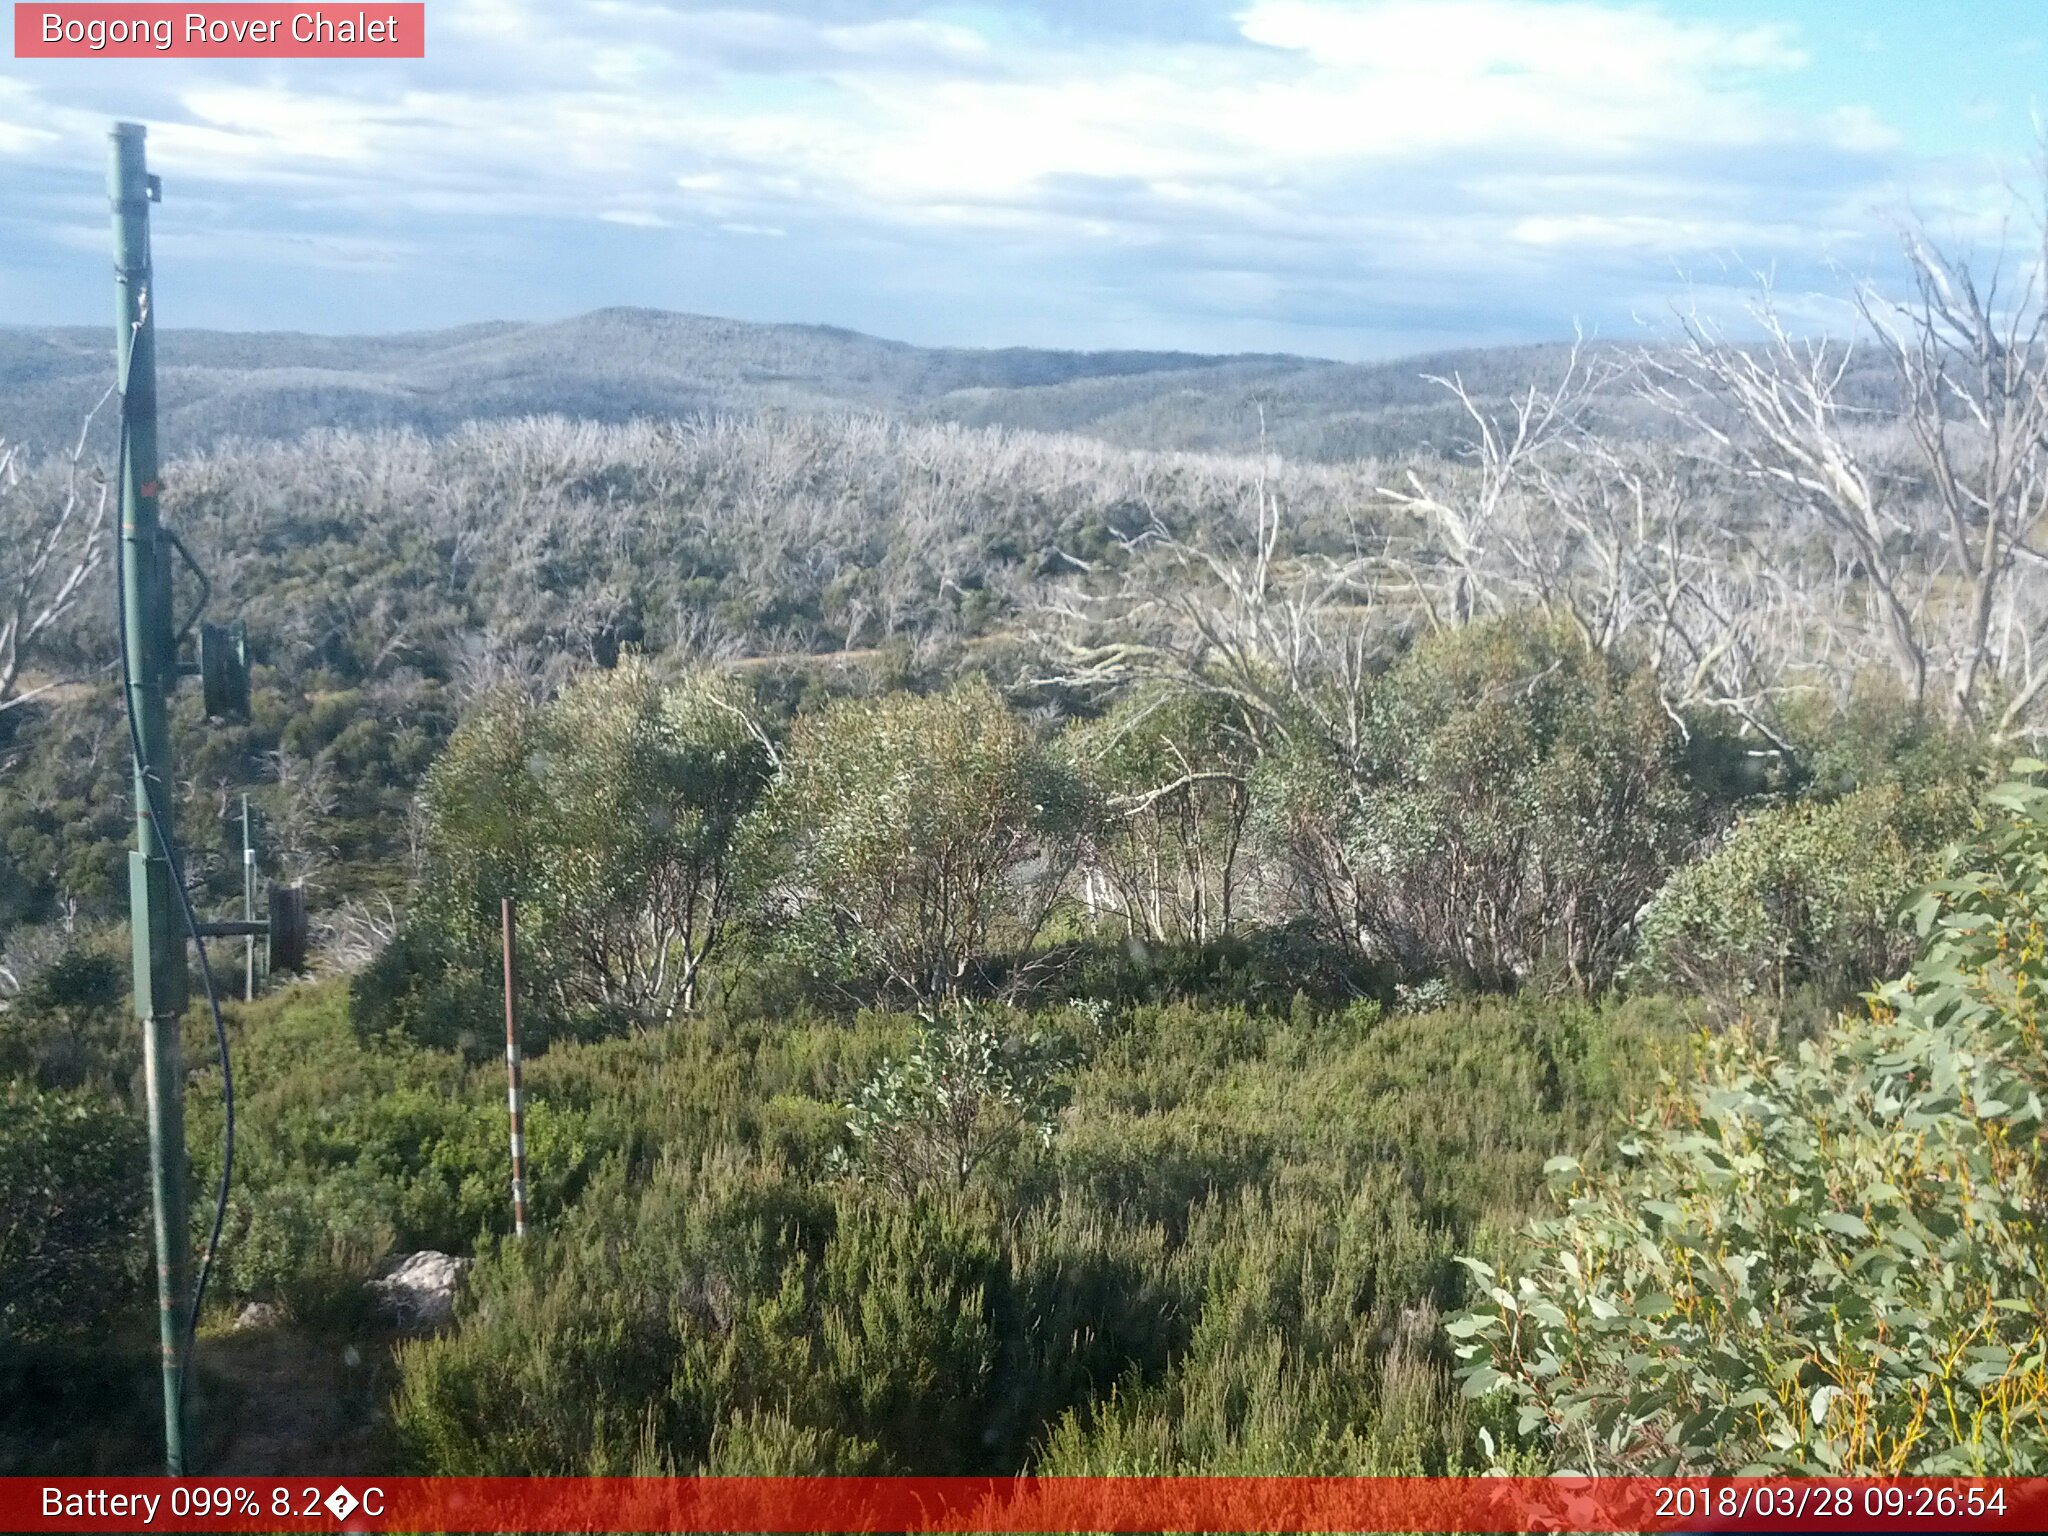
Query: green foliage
{"points": [[72, 1181], [1511, 801], [86, 1406], [485, 810], [1312, 1352], [912, 835], [439, 987], [1807, 895], [79, 981], [1264, 968], [609, 816], [1242, 1228], [977, 1088], [1876, 736], [1168, 777], [1829, 1261], [349, 1149], [69, 1027], [63, 811], [746, 1325]]}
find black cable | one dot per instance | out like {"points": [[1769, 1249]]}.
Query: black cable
{"points": [[147, 779]]}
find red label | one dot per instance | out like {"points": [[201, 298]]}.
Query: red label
{"points": [[373, 31], [969, 1504]]}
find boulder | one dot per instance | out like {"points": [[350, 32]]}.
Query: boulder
{"points": [[418, 1289], [256, 1315]]}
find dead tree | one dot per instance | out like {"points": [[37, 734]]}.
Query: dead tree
{"points": [[1940, 545], [1283, 642], [1624, 540], [1773, 414], [1281, 637], [1481, 542], [1972, 364], [50, 546]]}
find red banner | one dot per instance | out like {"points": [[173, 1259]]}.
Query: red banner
{"points": [[1118, 1504], [99, 31]]}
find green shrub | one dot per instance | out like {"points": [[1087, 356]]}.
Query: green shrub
{"points": [[977, 1090], [1265, 968], [757, 1442], [609, 816], [1877, 735], [1168, 779], [1307, 1309], [909, 1348], [1802, 896], [349, 1149], [69, 1026], [1241, 1228], [802, 1133], [913, 835], [1828, 1261], [1156, 1170], [743, 1321], [446, 990], [73, 1234], [307, 1245], [1509, 802]]}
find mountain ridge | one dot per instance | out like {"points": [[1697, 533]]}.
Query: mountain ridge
{"points": [[618, 363]]}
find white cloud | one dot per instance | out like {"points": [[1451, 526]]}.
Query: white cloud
{"points": [[1860, 128], [907, 112], [1298, 144], [1597, 46], [21, 135], [1662, 234]]}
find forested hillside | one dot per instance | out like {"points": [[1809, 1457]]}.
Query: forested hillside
{"points": [[1041, 954], [616, 365]]}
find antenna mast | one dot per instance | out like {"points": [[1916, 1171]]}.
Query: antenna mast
{"points": [[161, 915], [151, 650]]}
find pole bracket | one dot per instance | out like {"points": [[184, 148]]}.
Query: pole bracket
{"points": [[235, 928], [285, 928]]}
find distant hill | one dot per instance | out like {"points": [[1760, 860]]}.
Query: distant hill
{"points": [[615, 364]]}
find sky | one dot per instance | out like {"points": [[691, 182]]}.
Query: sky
{"points": [[1344, 178]]}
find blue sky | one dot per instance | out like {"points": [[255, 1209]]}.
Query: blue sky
{"points": [[1349, 178]]}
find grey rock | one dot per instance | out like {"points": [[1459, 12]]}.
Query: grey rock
{"points": [[418, 1290]]}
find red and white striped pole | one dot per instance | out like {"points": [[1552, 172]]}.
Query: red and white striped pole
{"points": [[512, 1085]]}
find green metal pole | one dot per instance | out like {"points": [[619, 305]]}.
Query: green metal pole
{"points": [[160, 981]]}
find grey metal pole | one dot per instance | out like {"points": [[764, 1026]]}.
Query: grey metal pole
{"points": [[151, 651], [512, 1083], [248, 906]]}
